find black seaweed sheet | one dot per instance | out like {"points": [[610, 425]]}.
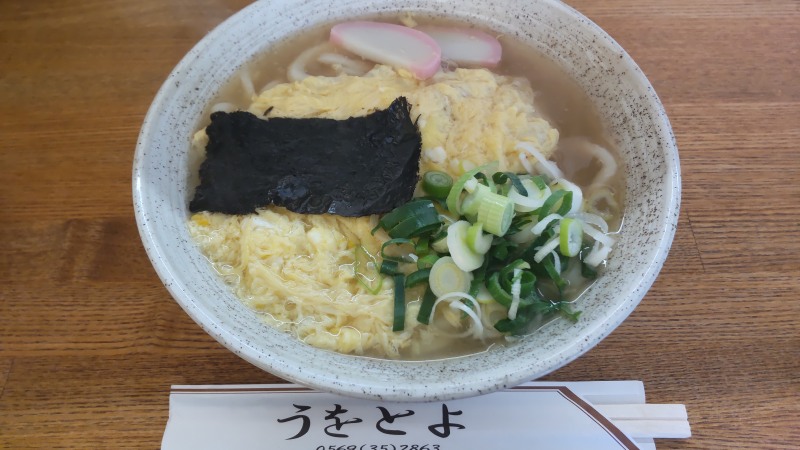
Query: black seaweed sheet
{"points": [[353, 167]]}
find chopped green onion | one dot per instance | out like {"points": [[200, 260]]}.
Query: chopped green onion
{"points": [[475, 287], [422, 246], [508, 325], [532, 200], [472, 201], [566, 204], [550, 268], [521, 235], [571, 236], [545, 249], [366, 270], [576, 202], [437, 184], [427, 261], [527, 283], [477, 241], [440, 245], [441, 234], [482, 295], [527, 278], [539, 182], [416, 226], [494, 204], [543, 224], [566, 200], [519, 325], [466, 259], [396, 241], [454, 197], [502, 177], [417, 277], [529, 254], [402, 212], [562, 307], [390, 267], [487, 181], [415, 218], [446, 277], [399, 304], [501, 248], [496, 212], [425, 308], [499, 294]]}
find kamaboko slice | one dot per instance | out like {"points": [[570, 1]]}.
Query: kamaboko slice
{"points": [[466, 46], [395, 45]]}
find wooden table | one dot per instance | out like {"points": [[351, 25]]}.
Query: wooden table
{"points": [[90, 340]]}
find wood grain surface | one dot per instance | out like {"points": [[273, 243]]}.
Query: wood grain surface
{"points": [[90, 340]]}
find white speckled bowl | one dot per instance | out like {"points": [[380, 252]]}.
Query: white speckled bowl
{"points": [[631, 112]]}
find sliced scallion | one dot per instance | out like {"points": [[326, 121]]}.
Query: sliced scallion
{"points": [[446, 277], [515, 291], [486, 180], [571, 236], [577, 195], [454, 197], [399, 304], [502, 177], [427, 261], [546, 249], [553, 273], [543, 224], [565, 197], [566, 204], [397, 215], [396, 241], [440, 245], [390, 267], [496, 212], [499, 294], [464, 257], [422, 246], [437, 184], [418, 277], [539, 182], [534, 197], [426, 306], [415, 218], [477, 241], [472, 201], [366, 270], [416, 225]]}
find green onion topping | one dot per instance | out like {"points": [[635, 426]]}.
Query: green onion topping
{"points": [[437, 184]]}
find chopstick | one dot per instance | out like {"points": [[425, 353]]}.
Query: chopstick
{"points": [[649, 421]]}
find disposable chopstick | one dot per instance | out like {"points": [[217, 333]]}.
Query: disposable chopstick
{"points": [[603, 392], [646, 411], [659, 429]]}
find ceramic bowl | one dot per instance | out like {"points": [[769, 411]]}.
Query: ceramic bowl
{"points": [[631, 113]]}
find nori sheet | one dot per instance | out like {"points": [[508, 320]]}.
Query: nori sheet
{"points": [[353, 167]]}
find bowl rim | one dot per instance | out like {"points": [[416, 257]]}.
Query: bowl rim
{"points": [[430, 391]]}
